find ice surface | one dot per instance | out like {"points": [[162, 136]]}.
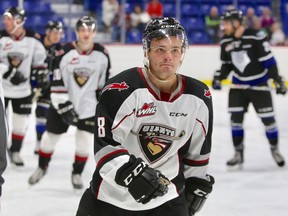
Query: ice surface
{"points": [[260, 189]]}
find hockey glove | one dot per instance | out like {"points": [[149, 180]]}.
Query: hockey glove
{"points": [[41, 76], [14, 76], [143, 182], [280, 85], [197, 191], [68, 114]]}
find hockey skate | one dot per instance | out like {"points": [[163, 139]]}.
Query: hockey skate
{"points": [[77, 181], [279, 159], [15, 158], [236, 161], [36, 176]]}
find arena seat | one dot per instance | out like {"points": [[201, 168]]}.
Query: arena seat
{"points": [[134, 37]]}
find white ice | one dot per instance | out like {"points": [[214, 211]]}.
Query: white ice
{"points": [[260, 189]]}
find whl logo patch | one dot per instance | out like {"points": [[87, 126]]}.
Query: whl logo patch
{"points": [[147, 109], [155, 140]]}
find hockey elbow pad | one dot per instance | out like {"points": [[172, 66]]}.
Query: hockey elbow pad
{"points": [[197, 191], [143, 183]]}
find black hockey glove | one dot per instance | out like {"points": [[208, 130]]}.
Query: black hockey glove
{"points": [[280, 85], [143, 182], [216, 82], [41, 76], [68, 114], [14, 76], [197, 191]]}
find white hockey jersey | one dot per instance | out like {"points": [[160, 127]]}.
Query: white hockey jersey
{"points": [[27, 53], [78, 77], [172, 135]]}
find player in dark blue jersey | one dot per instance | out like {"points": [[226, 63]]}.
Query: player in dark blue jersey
{"points": [[51, 41], [247, 53]]}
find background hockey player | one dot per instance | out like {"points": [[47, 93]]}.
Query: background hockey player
{"points": [[153, 135], [25, 57], [248, 54], [83, 70], [51, 41], [3, 134]]}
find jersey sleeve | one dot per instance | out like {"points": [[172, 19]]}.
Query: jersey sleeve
{"points": [[197, 158], [226, 64], [110, 117], [39, 56]]}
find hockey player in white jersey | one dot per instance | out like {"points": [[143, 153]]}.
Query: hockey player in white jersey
{"points": [[82, 71], [4, 133], [153, 135], [25, 57]]}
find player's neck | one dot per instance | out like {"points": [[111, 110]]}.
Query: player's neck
{"points": [[18, 33], [84, 47], [167, 86]]}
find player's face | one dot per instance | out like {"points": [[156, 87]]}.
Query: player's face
{"points": [[165, 57], [8, 23], [227, 27], [86, 35], [54, 35]]}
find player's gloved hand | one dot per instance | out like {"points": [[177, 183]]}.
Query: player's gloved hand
{"points": [[41, 77], [143, 183], [197, 191], [280, 85], [216, 84], [14, 76], [68, 114]]}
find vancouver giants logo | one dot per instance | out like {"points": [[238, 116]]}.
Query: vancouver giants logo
{"points": [[81, 75], [155, 140], [147, 109], [116, 86]]}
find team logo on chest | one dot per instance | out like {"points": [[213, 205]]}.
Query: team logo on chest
{"points": [[15, 58], [147, 109], [155, 140], [81, 75]]}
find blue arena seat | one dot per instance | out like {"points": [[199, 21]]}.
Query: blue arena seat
{"points": [[37, 7], [169, 9], [205, 9], [36, 21], [192, 23], [198, 37], [190, 10], [134, 37], [7, 4]]}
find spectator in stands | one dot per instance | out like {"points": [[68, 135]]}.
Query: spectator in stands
{"points": [[257, 26], [139, 18], [250, 18], [110, 9], [155, 9], [267, 19], [212, 22], [277, 34]]}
